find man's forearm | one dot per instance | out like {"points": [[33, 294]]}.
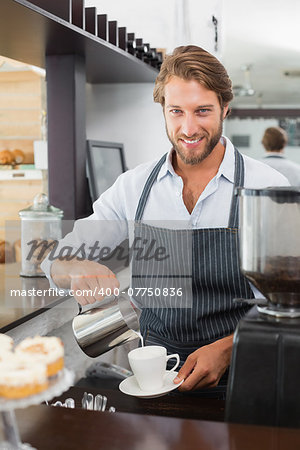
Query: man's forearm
{"points": [[225, 344], [206, 365], [60, 273], [84, 275]]}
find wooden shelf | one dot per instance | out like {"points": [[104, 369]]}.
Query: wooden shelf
{"points": [[71, 57], [20, 174], [29, 33]]}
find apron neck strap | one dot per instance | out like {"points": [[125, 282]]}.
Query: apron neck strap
{"points": [[148, 185], [238, 182], [239, 175]]}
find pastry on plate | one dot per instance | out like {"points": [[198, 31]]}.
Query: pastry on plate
{"points": [[48, 350], [22, 376]]}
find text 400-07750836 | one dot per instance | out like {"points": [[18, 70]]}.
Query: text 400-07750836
{"points": [[150, 292]]}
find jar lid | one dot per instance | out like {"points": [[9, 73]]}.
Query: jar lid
{"points": [[41, 208]]}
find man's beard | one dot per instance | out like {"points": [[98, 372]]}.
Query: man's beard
{"points": [[196, 159]]}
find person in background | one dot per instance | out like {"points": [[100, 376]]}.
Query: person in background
{"points": [[184, 202], [274, 140]]}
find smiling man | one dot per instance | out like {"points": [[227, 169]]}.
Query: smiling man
{"points": [[194, 122], [193, 187], [194, 130]]}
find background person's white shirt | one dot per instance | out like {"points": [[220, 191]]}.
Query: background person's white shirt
{"points": [[114, 211], [288, 168]]}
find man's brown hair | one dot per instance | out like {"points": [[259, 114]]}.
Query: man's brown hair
{"points": [[274, 139], [194, 63]]}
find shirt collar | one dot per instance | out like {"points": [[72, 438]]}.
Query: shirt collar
{"points": [[167, 167], [226, 167], [272, 154]]}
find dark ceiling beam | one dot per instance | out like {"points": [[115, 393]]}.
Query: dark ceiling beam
{"points": [[266, 113]]}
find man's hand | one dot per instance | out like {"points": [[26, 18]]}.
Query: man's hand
{"points": [[204, 367], [88, 280]]}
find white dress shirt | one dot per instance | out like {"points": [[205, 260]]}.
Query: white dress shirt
{"points": [[114, 212]]}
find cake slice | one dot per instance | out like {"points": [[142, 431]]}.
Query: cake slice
{"points": [[22, 376], [48, 350]]}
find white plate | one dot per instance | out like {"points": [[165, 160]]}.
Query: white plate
{"points": [[130, 386]]}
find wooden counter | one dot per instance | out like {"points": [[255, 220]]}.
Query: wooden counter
{"points": [[47, 427], [174, 404]]}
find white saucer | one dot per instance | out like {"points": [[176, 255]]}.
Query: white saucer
{"points": [[130, 386]]}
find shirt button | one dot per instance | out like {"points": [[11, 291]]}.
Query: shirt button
{"points": [[178, 194]]}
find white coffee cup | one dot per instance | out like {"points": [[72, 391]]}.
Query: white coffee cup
{"points": [[148, 365]]}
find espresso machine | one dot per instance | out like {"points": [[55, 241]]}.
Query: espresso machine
{"points": [[264, 377]]}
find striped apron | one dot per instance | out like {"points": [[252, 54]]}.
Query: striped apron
{"points": [[204, 264]]}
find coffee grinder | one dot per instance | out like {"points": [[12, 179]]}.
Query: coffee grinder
{"points": [[264, 377]]}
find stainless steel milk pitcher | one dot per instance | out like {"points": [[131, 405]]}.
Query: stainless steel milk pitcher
{"points": [[104, 327]]}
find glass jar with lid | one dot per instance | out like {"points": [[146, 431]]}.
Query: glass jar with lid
{"points": [[40, 231]]}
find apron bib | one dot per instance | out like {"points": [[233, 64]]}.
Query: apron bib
{"points": [[204, 264]]}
